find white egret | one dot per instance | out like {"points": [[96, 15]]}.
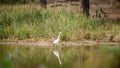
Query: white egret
{"points": [[57, 40]]}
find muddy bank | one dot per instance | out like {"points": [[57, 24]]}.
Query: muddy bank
{"points": [[45, 44]]}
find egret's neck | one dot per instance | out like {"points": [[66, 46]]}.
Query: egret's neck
{"points": [[59, 36]]}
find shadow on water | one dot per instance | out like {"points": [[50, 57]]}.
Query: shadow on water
{"points": [[13, 56]]}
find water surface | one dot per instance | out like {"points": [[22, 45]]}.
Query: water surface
{"points": [[22, 56]]}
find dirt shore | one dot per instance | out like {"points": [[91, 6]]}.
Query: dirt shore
{"points": [[49, 44]]}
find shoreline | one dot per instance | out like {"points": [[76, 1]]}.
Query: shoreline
{"points": [[48, 44]]}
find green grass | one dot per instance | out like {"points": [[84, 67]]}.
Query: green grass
{"points": [[24, 21]]}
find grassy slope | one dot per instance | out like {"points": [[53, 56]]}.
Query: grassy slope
{"points": [[23, 22]]}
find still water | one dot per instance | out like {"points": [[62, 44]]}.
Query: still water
{"points": [[102, 56]]}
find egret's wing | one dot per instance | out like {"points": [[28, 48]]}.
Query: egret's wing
{"points": [[56, 41]]}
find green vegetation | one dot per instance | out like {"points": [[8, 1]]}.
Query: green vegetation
{"points": [[30, 21]]}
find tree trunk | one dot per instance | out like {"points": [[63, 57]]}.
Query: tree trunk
{"points": [[85, 4], [43, 3]]}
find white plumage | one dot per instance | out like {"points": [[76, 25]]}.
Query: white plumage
{"points": [[56, 42]]}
